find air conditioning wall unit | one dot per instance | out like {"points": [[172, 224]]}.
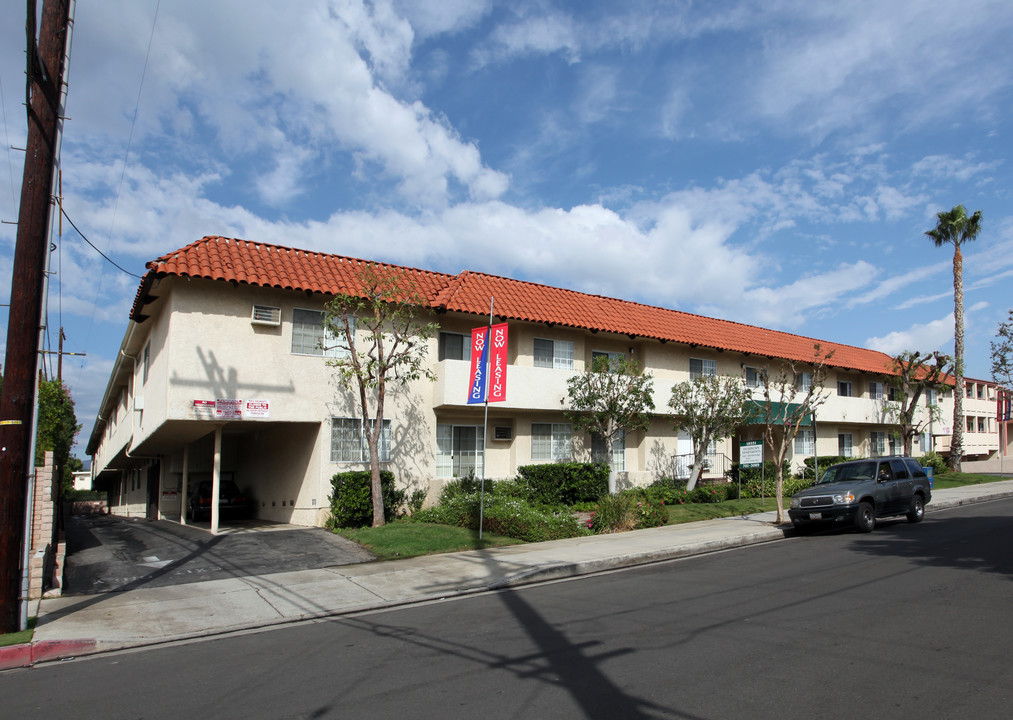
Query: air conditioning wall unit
{"points": [[503, 432], [266, 315]]}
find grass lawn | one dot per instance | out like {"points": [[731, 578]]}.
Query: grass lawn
{"points": [[19, 637], [407, 539], [691, 512], [952, 480]]}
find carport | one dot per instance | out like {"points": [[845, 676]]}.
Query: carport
{"points": [[270, 461]]}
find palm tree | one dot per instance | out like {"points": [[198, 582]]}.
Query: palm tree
{"points": [[956, 228]]}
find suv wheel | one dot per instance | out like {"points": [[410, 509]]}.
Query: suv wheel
{"points": [[917, 511], [865, 518]]}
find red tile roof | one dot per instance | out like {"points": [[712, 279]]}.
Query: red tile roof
{"points": [[260, 264]]}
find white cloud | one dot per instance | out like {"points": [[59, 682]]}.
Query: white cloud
{"points": [[934, 335]]}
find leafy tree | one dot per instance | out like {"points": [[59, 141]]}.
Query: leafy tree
{"points": [[910, 377], [708, 408], [57, 423], [611, 397], [1002, 353], [787, 401], [380, 332], [956, 228]]}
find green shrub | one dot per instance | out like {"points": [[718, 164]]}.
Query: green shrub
{"points": [[935, 461], [515, 518], [650, 515], [709, 494], [667, 490], [351, 498], [565, 483]]}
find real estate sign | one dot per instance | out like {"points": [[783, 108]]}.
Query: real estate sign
{"points": [[751, 454], [488, 364]]}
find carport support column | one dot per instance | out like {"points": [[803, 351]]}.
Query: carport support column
{"points": [[216, 480], [186, 484]]}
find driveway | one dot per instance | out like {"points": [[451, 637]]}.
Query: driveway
{"points": [[106, 553]]}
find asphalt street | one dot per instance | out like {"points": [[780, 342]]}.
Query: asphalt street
{"points": [[107, 553], [910, 621]]}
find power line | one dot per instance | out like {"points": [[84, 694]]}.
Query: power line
{"points": [[111, 261]]}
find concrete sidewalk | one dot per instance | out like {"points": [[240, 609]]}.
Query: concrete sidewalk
{"points": [[78, 625]]}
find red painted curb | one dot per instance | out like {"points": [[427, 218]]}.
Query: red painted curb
{"points": [[15, 656], [27, 654]]}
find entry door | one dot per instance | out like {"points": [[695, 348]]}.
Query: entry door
{"points": [[154, 492], [460, 449]]}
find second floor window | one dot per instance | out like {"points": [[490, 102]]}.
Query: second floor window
{"points": [[876, 390], [310, 338], [454, 346], [804, 381], [844, 388], [752, 377], [556, 354], [699, 368]]}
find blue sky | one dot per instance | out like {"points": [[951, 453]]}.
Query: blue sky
{"points": [[771, 162]]}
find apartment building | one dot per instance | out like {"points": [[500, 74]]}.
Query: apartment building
{"points": [[222, 374]]}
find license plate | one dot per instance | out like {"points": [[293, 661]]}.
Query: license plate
{"points": [[815, 516]]}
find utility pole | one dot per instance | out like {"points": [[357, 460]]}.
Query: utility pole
{"points": [[46, 60]]}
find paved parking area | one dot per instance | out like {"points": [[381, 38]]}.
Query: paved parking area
{"points": [[106, 553]]}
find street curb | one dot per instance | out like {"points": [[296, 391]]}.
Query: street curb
{"points": [[27, 654]]}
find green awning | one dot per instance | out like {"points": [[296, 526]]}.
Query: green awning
{"points": [[757, 413]]}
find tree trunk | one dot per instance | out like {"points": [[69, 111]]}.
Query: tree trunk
{"points": [[957, 439], [698, 457]]}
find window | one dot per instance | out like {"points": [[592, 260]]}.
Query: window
{"points": [[613, 357], [844, 445], [752, 377], [844, 388], [309, 337], [970, 423], [454, 346], [699, 368], [552, 441], [981, 424], [981, 392], [876, 390], [894, 394], [556, 354], [146, 363], [894, 449], [805, 442], [970, 389], [460, 450], [348, 443], [804, 381], [877, 443], [931, 397], [599, 451]]}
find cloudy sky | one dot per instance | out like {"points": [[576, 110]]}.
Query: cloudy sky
{"points": [[773, 162]]}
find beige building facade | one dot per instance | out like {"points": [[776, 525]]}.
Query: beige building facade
{"points": [[222, 375]]}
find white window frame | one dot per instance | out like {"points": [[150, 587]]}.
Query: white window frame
{"points": [[705, 368], [560, 351], [556, 445], [598, 453], [613, 357], [876, 390], [846, 444], [343, 440], [804, 381], [756, 373], [326, 343], [845, 385], [445, 457], [805, 442], [877, 443]]}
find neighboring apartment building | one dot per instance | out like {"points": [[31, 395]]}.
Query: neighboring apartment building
{"points": [[222, 373]]}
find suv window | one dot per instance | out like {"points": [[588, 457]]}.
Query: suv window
{"points": [[899, 469], [917, 471], [850, 471]]}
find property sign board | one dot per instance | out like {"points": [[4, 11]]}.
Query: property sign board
{"points": [[228, 409], [204, 409], [256, 409], [488, 364], [751, 454]]}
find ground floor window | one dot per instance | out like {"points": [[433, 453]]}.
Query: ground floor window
{"points": [[844, 445], [599, 450], [460, 450], [877, 443], [552, 441], [805, 442], [348, 441]]}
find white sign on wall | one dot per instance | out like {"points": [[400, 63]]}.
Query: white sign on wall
{"points": [[228, 409], [256, 409]]}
